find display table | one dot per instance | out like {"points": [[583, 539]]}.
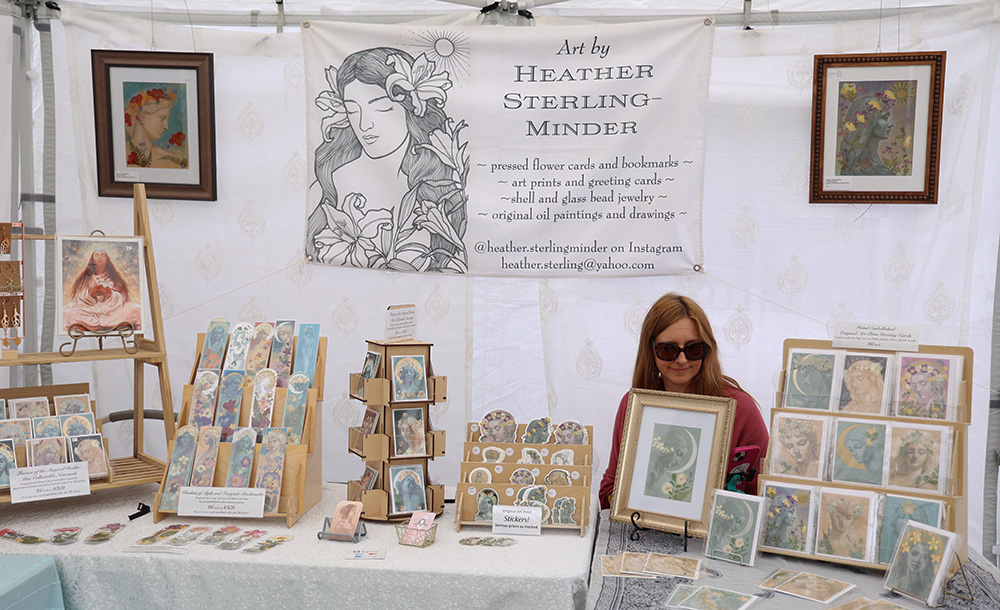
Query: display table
{"points": [[29, 582], [550, 571], [626, 593]]}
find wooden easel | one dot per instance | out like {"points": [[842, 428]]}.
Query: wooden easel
{"points": [[140, 467]]}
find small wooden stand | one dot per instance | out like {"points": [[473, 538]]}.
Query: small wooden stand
{"points": [[377, 449], [302, 477], [141, 467], [466, 506]]}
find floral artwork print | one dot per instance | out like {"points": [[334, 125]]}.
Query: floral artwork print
{"points": [[734, 527], [384, 111], [156, 125], [672, 462], [875, 129], [181, 464], [786, 524]]}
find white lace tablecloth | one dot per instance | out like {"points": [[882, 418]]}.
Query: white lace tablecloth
{"points": [[634, 594], [547, 571]]}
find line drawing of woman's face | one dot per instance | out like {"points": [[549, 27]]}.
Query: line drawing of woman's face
{"points": [[378, 122]]}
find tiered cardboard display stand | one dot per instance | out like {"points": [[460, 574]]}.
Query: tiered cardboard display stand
{"points": [[302, 478], [140, 467], [956, 497], [580, 471], [377, 449]]}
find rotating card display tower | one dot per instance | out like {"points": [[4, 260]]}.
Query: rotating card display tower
{"points": [[954, 494], [140, 467], [377, 449]]}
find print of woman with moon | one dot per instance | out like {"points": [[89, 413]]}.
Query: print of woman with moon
{"points": [[732, 531], [810, 381], [860, 453], [672, 462]]}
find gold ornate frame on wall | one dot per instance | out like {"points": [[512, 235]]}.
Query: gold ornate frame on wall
{"points": [[651, 412]]}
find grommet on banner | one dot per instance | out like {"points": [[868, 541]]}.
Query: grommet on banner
{"points": [[697, 268]]}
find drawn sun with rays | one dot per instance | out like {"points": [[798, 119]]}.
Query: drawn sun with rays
{"points": [[448, 49]]}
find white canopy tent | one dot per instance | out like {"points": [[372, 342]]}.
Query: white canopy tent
{"points": [[775, 266]]}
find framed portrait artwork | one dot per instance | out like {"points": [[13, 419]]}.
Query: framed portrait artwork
{"points": [[102, 283], [408, 432], [876, 135], [673, 454], [406, 488], [409, 378], [155, 118]]}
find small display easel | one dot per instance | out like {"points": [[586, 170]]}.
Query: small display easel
{"points": [[360, 532]]}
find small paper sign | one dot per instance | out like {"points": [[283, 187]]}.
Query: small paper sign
{"points": [[517, 520], [47, 482], [890, 337], [221, 502], [363, 554], [840, 183], [400, 323]]}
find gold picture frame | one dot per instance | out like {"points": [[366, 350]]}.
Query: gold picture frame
{"points": [[876, 134], [673, 456]]}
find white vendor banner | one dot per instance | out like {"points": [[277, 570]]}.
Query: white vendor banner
{"points": [[543, 151]]}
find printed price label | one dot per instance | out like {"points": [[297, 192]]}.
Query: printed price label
{"points": [[47, 482], [892, 337], [517, 520], [221, 502]]}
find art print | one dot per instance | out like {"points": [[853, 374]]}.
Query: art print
{"points": [[788, 517], [863, 387], [800, 450], [611, 566], [45, 427], [927, 385], [563, 457], [920, 564], [660, 564], [862, 602], [18, 430], [734, 527], [486, 499], [260, 348], [179, 470], [493, 454], [409, 378], [843, 530], [407, 493], [673, 462], [570, 432], [227, 413], [859, 452], [47, 451], [680, 593], [214, 348], [8, 461], [306, 351], [262, 407], [417, 528], [205, 457], [241, 457], [530, 455], [557, 476], [154, 120], [522, 476], [376, 125], [814, 587], [367, 481], [72, 404], [534, 495], [370, 368], [367, 426], [895, 514], [408, 432], [632, 563], [3, 408], [345, 518], [296, 401], [239, 346], [76, 425], [102, 284], [779, 576], [809, 382], [538, 431], [271, 466], [203, 398], [90, 449], [480, 475], [877, 122], [28, 407], [281, 350], [563, 510], [917, 457], [712, 598]]}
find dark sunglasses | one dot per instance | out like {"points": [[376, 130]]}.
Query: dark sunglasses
{"points": [[668, 352]]}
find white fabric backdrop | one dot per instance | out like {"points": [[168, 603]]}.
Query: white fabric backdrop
{"points": [[7, 42], [776, 267]]}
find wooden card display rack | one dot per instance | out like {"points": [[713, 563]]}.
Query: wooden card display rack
{"points": [[378, 449], [954, 495], [140, 467], [302, 476], [509, 468]]}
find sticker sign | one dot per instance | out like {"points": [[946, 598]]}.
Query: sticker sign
{"points": [[47, 482], [891, 337], [517, 520], [221, 502]]}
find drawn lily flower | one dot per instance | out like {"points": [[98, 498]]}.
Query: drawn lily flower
{"points": [[330, 101], [431, 218], [350, 236], [418, 82], [446, 145]]}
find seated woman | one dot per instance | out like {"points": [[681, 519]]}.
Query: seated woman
{"points": [[101, 297], [678, 353]]}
